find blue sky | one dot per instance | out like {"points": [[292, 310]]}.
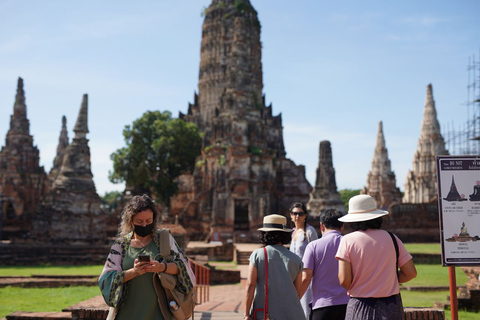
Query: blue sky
{"points": [[333, 69]]}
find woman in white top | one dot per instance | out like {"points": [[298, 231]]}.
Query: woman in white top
{"points": [[303, 234]]}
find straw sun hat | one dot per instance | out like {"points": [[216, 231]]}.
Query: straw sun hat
{"points": [[362, 208], [275, 222]]}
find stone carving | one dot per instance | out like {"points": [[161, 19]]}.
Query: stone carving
{"points": [[243, 173], [381, 182], [61, 148], [23, 181], [71, 212], [324, 195], [421, 182]]}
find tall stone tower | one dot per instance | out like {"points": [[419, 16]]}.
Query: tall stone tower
{"points": [[71, 212], [61, 149], [324, 195], [421, 182], [23, 182], [243, 173], [381, 182]]}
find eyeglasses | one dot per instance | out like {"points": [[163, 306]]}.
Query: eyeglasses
{"points": [[301, 214]]}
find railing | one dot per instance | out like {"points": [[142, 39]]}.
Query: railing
{"points": [[203, 282]]}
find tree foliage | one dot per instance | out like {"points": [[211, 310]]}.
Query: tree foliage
{"points": [[346, 194], [111, 200], [158, 149]]}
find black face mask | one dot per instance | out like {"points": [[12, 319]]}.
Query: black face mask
{"points": [[143, 231]]}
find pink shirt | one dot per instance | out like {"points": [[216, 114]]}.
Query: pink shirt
{"points": [[372, 256]]}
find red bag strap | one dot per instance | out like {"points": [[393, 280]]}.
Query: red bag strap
{"points": [[266, 283]]}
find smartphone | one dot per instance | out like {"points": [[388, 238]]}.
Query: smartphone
{"points": [[144, 257]]}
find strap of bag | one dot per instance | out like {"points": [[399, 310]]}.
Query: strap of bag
{"points": [[266, 284], [164, 243], [395, 244]]}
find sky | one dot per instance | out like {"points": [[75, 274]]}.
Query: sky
{"points": [[333, 69]]}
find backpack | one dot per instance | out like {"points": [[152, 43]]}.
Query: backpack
{"points": [[167, 288]]}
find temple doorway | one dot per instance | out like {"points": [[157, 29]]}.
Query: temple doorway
{"points": [[9, 211], [241, 222]]}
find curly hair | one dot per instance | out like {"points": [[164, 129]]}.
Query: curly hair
{"points": [[365, 225], [274, 237], [135, 205]]}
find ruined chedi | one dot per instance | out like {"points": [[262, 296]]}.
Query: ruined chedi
{"points": [[421, 182], [23, 181], [381, 182], [324, 195], [242, 174], [71, 212], [61, 149]]}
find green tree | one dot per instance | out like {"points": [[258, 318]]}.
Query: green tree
{"points": [[346, 194], [158, 149], [111, 200]]}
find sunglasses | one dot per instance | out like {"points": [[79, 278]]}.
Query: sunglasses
{"points": [[301, 214]]}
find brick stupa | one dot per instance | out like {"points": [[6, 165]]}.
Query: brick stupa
{"points": [[421, 182], [243, 173], [23, 182], [324, 195], [71, 213], [381, 182]]}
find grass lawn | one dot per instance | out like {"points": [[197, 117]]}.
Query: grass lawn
{"points": [[50, 270], [435, 275], [423, 247], [42, 299]]}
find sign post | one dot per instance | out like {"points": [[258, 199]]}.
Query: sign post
{"points": [[459, 215]]}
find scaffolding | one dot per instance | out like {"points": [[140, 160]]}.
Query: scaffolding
{"points": [[465, 140]]}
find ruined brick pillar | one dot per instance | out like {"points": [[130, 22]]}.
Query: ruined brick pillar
{"points": [[23, 182], [324, 195], [61, 149], [421, 182], [381, 182]]}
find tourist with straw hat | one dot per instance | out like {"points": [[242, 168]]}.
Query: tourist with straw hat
{"points": [[369, 259], [274, 281]]}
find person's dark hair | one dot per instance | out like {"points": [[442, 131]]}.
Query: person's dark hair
{"points": [[274, 237], [365, 225], [304, 209], [330, 217], [135, 205]]}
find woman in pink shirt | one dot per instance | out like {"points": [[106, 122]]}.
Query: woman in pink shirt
{"points": [[368, 264]]}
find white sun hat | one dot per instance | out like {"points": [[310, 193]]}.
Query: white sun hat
{"points": [[362, 208], [275, 222]]}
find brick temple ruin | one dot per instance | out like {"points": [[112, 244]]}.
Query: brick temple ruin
{"points": [[243, 173], [62, 207]]}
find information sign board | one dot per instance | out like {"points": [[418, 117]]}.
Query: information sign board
{"points": [[459, 209]]}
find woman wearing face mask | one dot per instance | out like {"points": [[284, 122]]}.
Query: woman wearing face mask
{"points": [[127, 284], [303, 234]]}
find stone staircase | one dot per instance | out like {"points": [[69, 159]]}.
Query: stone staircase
{"points": [[243, 252]]}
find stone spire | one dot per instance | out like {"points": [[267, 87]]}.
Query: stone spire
{"points": [[61, 148], [324, 195], [23, 181], [19, 125], [421, 182], [81, 127], [75, 178], [381, 182]]}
